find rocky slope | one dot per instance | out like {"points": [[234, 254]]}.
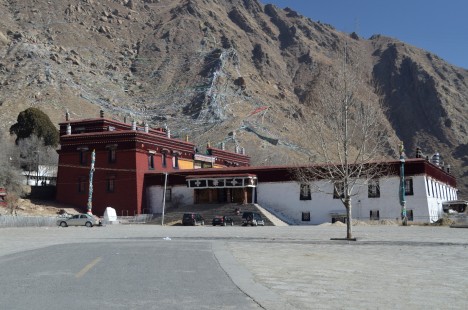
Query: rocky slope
{"points": [[233, 71]]}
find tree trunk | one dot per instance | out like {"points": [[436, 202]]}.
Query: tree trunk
{"points": [[349, 233]]}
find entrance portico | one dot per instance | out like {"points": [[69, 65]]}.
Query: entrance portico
{"points": [[237, 188]]}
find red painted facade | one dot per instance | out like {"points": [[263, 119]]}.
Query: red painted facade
{"points": [[124, 154]]}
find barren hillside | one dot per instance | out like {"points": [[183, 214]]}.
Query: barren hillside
{"points": [[218, 70]]}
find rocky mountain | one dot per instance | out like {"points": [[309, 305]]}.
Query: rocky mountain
{"points": [[233, 71]]}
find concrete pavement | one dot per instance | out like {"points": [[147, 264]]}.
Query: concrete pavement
{"points": [[389, 267]]}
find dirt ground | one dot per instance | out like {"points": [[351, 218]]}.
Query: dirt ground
{"points": [[28, 207]]}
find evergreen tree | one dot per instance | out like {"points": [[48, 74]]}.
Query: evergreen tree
{"points": [[33, 121]]}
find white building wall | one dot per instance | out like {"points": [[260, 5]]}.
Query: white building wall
{"points": [[284, 198], [154, 197]]}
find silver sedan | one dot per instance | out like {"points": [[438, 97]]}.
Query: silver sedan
{"points": [[79, 220]]}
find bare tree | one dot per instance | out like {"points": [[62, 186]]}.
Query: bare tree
{"points": [[11, 177], [346, 133], [33, 154]]}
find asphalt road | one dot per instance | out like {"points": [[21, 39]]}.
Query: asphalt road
{"points": [[154, 267], [151, 274]]}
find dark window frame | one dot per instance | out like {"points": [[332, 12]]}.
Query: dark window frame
{"points": [[373, 189], [340, 185], [374, 215], [112, 156], [306, 216], [151, 161], [168, 194], [83, 157], [304, 192], [110, 184], [409, 191], [410, 214], [175, 161]]}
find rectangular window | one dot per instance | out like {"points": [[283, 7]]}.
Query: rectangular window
{"points": [[409, 215], [373, 189], [338, 190], [83, 157], [428, 187], [409, 187], [164, 160], [305, 192], [112, 155], [168, 194], [81, 185], [151, 161], [374, 215], [175, 161], [306, 216], [110, 182]]}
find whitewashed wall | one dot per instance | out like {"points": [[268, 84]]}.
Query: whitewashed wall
{"points": [[284, 198], [154, 197]]}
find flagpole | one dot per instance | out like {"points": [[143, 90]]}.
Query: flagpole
{"points": [[90, 193]]}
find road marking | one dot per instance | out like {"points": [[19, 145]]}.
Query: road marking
{"points": [[87, 268]]}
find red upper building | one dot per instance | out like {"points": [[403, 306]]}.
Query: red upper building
{"points": [[123, 154]]}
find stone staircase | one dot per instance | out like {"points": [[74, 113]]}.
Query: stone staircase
{"points": [[173, 216]]}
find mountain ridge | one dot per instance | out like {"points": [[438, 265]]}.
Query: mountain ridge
{"points": [[203, 67]]}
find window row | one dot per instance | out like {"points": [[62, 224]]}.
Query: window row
{"points": [[374, 215], [83, 184], [83, 155], [151, 161], [112, 158], [373, 190]]}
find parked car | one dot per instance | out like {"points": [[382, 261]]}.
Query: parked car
{"points": [[222, 221], [192, 219], [87, 220], [252, 218]]}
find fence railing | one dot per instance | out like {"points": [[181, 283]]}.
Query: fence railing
{"points": [[136, 219], [27, 221]]}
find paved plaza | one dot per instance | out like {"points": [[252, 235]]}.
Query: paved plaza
{"points": [[388, 267]]}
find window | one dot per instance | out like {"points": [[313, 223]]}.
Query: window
{"points": [[305, 192], [110, 184], [111, 155], [428, 187], [168, 194], [338, 190], [373, 190], [409, 187], [164, 160], [81, 185], [175, 161], [409, 215], [306, 216], [151, 161], [83, 157], [374, 215]]}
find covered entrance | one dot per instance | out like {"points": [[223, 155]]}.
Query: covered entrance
{"points": [[223, 189]]}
